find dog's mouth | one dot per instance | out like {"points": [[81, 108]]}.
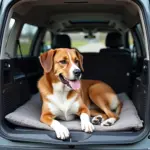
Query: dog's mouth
{"points": [[74, 84]]}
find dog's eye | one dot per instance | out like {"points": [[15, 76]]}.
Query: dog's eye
{"points": [[63, 62], [76, 61]]}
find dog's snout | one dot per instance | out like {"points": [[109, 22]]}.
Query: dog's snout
{"points": [[77, 72]]}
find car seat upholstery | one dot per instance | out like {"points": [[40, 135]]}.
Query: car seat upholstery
{"points": [[114, 43], [112, 65], [61, 41]]}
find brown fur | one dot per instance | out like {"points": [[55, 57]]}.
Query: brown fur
{"points": [[91, 92]]}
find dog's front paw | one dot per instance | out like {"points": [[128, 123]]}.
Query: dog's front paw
{"points": [[87, 126], [97, 120], [108, 122], [61, 131]]}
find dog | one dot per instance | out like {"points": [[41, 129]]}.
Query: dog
{"points": [[65, 95]]}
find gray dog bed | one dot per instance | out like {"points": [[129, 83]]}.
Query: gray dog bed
{"points": [[28, 115]]}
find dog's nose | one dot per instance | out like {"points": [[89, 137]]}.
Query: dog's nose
{"points": [[77, 72]]}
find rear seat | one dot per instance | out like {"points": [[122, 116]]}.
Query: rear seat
{"points": [[112, 65], [114, 44]]}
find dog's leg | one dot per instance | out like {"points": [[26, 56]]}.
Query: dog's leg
{"points": [[98, 117], [48, 118], [112, 119], [84, 114], [105, 100], [118, 110], [104, 107]]}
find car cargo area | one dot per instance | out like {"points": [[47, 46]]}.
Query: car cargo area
{"points": [[111, 37]]}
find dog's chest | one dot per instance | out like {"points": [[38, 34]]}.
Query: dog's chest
{"points": [[62, 107]]}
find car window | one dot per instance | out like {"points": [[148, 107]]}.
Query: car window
{"points": [[11, 23], [26, 38], [9, 36], [130, 41], [85, 43], [132, 48], [46, 43]]}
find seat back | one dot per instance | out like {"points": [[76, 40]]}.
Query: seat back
{"points": [[61, 41], [112, 65]]}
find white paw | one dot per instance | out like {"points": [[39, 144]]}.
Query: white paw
{"points": [[61, 131], [86, 125], [108, 122], [97, 120]]}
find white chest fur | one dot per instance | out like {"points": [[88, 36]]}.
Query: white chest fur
{"points": [[59, 105]]}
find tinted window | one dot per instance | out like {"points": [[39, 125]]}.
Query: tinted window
{"points": [[26, 38], [11, 23], [85, 43], [46, 43], [131, 43]]}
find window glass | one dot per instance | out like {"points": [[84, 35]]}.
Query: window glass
{"points": [[88, 42], [46, 43], [26, 38], [11, 23], [132, 48], [131, 43], [8, 37]]}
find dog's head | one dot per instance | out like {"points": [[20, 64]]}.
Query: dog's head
{"points": [[66, 64]]}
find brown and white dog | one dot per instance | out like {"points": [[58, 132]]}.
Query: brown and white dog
{"points": [[64, 95]]}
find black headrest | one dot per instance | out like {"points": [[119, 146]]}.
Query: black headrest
{"points": [[114, 40], [61, 41]]}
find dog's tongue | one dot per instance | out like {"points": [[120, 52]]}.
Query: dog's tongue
{"points": [[75, 84]]}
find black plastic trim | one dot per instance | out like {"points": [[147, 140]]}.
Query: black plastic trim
{"points": [[42, 136]]}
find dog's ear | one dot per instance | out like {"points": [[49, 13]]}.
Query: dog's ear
{"points": [[80, 60], [46, 60]]}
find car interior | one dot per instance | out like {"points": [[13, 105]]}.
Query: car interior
{"points": [[110, 36]]}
